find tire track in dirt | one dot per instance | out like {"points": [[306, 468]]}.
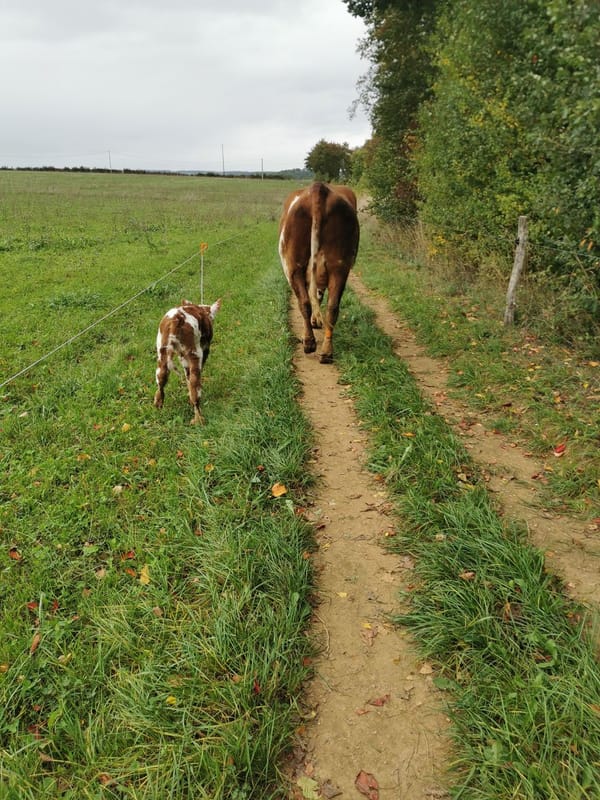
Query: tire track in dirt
{"points": [[372, 705], [571, 547]]}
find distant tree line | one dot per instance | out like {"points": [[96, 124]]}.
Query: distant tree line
{"points": [[286, 174], [482, 111]]}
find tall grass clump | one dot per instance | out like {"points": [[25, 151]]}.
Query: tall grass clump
{"points": [[154, 588], [514, 654]]}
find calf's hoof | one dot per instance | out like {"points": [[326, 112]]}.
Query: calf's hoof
{"points": [[310, 345], [326, 358], [158, 401]]}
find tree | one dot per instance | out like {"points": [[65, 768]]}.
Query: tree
{"points": [[330, 161], [393, 90]]}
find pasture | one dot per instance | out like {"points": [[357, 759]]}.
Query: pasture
{"points": [[156, 577], [154, 590]]}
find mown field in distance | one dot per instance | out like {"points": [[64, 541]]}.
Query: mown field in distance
{"points": [[154, 591]]}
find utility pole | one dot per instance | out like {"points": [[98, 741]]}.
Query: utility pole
{"points": [[223, 159], [109, 162]]}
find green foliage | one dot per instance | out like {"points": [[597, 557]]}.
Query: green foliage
{"points": [[330, 161], [512, 129], [482, 111], [399, 81]]}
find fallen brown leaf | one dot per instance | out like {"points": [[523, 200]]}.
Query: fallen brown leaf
{"points": [[329, 790], [379, 701], [35, 643], [366, 784]]}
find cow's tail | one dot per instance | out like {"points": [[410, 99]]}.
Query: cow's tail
{"points": [[319, 192]]}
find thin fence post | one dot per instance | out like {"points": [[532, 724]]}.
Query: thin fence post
{"points": [[203, 248], [519, 263]]}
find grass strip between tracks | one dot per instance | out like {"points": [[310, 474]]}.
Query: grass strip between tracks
{"points": [[513, 654]]}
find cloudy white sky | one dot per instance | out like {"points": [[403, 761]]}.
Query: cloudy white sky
{"points": [[176, 84]]}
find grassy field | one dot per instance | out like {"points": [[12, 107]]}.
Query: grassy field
{"points": [[156, 577], [540, 394], [154, 590]]}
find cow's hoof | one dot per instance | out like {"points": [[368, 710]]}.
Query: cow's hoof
{"points": [[326, 358], [310, 345]]}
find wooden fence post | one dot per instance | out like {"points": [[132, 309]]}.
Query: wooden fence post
{"points": [[519, 263]]}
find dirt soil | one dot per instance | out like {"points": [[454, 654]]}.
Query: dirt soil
{"points": [[375, 723]]}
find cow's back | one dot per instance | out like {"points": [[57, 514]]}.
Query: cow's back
{"points": [[338, 233]]}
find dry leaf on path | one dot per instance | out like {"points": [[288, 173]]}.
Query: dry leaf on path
{"points": [[368, 634], [379, 701], [367, 784], [278, 490], [309, 788]]}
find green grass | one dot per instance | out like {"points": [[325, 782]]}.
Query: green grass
{"points": [[163, 589], [539, 394], [168, 587], [515, 656]]}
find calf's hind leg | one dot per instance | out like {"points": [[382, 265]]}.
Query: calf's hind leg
{"points": [[194, 382], [162, 376]]}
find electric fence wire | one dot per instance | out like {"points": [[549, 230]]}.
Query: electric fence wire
{"points": [[106, 316]]}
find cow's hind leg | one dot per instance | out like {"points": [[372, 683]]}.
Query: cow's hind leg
{"points": [[334, 296], [308, 339], [162, 376]]}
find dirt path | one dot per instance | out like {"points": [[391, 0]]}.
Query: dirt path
{"points": [[373, 711], [374, 707]]}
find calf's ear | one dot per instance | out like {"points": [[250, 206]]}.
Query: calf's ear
{"points": [[214, 308]]}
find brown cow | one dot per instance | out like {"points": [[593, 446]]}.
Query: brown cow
{"points": [[318, 242], [185, 331]]}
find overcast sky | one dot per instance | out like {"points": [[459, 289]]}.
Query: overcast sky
{"points": [[176, 84]]}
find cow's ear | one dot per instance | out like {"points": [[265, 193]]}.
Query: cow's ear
{"points": [[214, 308]]}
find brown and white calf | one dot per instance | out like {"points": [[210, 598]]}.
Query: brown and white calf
{"points": [[318, 243], [186, 332]]}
